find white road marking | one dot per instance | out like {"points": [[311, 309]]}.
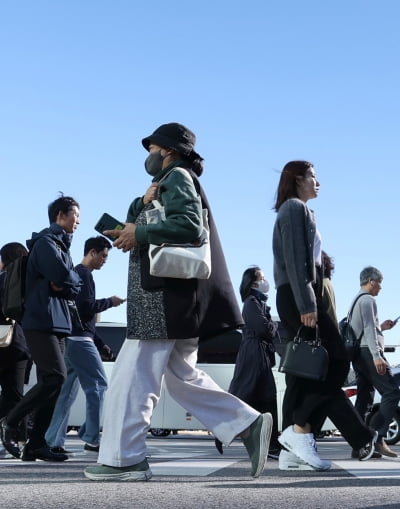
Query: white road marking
{"points": [[189, 467], [374, 469]]}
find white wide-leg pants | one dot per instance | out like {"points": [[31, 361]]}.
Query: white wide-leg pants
{"points": [[135, 388]]}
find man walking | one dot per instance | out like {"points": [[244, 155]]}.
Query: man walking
{"points": [[51, 287], [82, 357], [371, 364]]}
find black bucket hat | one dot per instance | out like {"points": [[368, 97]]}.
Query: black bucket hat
{"points": [[175, 136]]}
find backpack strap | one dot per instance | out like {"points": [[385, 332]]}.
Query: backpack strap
{"points": [[350, 313]]}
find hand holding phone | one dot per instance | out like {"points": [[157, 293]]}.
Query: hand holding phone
{"points": [[107, 222]]}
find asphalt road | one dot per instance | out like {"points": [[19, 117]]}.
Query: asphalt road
{"points": [[189, 473]]}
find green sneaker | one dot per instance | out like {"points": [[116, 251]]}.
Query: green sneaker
{"points": [[139, 472], [257, 443]]}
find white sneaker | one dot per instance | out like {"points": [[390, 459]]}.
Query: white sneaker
{"points": [[302, 445], [289, 461]]}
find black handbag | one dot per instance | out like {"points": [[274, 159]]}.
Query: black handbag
{"points": [[305, 358]]}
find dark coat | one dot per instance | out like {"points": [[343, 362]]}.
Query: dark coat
{"points": [[253, 380], [49, 261], [192, 307]]}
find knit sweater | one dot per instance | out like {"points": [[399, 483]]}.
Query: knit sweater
{"points": [[365, 319], [293, 247]]}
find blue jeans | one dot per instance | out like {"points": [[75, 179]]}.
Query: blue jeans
{"points": [[84, 366]]}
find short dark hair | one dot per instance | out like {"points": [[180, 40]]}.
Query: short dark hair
{"points": [[11, 251], [287, 187], [248, 279], [63, 204], [98, 243], [327, 264]]}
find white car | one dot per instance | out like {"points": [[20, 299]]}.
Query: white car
{"points": [[216, 357]]}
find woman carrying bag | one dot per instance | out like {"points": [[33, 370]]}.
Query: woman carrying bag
{"points": [[298, 278], [13, 358], [167, 317], [253, 380]]}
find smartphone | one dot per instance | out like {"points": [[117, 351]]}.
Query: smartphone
{"points": [[396, 319], [107, 222]]}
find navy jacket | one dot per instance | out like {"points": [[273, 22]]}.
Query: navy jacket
{"points": [[50, 261], [87, 304]]}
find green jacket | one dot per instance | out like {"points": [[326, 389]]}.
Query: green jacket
{"points": [[183, 210]]}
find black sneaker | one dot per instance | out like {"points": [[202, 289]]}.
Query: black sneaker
{"points": [[41, 453], [355, 454], [366, 452], [92, 448]]}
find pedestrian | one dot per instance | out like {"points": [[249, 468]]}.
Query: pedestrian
{"points": [[328, 293], [82, 357], [13, 358], [166, 318], [51, 287], [253, 380], [298, 278], [371, 363]]}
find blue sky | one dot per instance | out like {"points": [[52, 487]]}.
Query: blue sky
{"points": [[260, 82]]}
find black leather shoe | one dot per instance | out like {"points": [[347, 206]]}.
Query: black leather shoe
{"points": [[9, 438], [42, 453], [60, 450]]}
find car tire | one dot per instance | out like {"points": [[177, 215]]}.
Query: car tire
{"points": [[160, 432], [393, 434]]}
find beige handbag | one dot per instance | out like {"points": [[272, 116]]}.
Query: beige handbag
{"points": [[6, 334]]}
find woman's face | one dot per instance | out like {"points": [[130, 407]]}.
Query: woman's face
{"points": [[308, 186], [260, 276]]}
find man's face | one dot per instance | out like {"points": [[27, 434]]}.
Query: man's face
{"points": [[69, 221], [99, 259], [375, 287]]}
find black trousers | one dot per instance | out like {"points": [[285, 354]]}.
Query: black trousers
{"points": [[365, 394], [309, 401], [385, 384], [12, 378], [47, 351]]}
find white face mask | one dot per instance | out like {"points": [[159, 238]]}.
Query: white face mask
{"points": [[263, 286]]}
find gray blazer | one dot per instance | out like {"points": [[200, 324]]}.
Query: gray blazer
{"points": [[293, 248]]}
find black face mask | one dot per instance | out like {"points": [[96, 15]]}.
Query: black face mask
{"points": [[153, 163]]}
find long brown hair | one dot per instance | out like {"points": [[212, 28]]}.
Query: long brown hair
{"points": [[287, 187]]}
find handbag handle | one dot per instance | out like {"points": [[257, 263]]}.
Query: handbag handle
{"points": [[315, 342]]}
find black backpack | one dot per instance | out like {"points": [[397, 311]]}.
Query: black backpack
{"points": [[14, 289], [350, 341]]}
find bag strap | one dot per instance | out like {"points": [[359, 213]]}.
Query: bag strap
{"points": [[350, 313], [195, 183], [299, 339]]}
